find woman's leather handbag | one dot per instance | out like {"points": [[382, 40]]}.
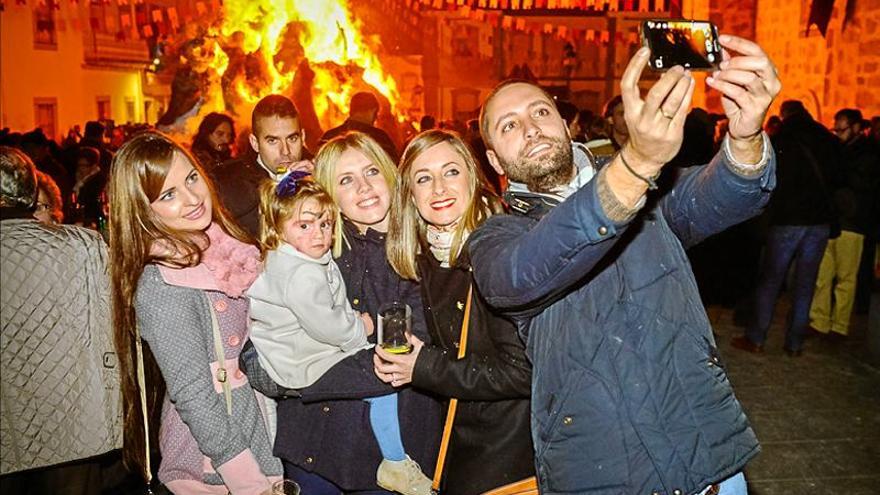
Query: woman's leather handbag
{"points": [[528, 486]]}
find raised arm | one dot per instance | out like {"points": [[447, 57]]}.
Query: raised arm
{"points": [[738, 182], [706, 200]]}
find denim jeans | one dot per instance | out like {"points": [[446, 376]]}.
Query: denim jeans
{"points": [[735, 485], [804, 245]]}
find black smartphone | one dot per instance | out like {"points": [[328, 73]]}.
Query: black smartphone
{"points": [[688, 43]]}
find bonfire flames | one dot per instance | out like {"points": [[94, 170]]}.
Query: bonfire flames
{"points": [[310, 50]]}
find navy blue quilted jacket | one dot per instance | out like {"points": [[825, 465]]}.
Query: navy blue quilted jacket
{"points": [[629, 394]]}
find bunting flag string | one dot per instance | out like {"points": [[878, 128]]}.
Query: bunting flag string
{"points": [[604, 5], [132, 20], [513, 15]]}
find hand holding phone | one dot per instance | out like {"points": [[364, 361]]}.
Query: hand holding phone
{"points": [[688, 43]]}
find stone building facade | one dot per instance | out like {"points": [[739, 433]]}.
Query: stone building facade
{"points": [[841, 69]]}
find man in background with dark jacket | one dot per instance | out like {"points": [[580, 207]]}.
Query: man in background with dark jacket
{"points": [[859, 163], [800, 215], [277, 142], [629, 394], [362, 113]]}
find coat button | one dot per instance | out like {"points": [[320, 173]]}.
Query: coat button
{"points": [[567, 420], [233, 340], [603, 230], [309, 460], [676, 492], [220, 306], [326, 409], [355, 301]]}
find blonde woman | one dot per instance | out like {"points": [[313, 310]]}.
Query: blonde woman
{"points": [[442, 198], [179, 271]]}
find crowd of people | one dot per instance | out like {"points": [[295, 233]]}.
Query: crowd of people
{"points": [[556, 331]]}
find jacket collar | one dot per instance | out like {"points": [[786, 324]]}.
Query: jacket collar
{"points": [[536, 205], [350, 230], [289, 250], [16, 212], [270, 173]]}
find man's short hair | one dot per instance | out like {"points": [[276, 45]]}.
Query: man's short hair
{"points": [[791, 108], [89, 154], [18, 179], [484, 123], [853, 116], [610, 105], [34, 138], [567, 110], [427, 122], [94, 130], [273, 106], [363, 102]]}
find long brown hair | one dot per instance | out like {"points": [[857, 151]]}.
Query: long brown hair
{"points": [[407, 229], [136, 180]]}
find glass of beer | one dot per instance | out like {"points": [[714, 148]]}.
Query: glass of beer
{"points": [[285, 487], [395, 325]]}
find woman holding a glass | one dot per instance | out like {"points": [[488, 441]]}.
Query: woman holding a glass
{"points": [[441, 199]]}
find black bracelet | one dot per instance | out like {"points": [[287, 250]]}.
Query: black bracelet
{"points": [[651, 184]]}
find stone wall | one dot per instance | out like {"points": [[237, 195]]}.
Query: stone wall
{"points": [[732, 17], [840, 70]]}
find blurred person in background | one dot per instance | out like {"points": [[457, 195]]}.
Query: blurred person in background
{"points": [[362, 114], [212, 144], [854, 200], [604, 147], [427, 123], [801, 215], [49, 208], [36, 146], [569, 112]]}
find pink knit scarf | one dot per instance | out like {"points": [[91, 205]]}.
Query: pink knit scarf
{"points": [[228, 265]]}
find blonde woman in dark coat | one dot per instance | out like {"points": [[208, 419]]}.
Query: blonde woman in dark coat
{"points": [[442, 198]]}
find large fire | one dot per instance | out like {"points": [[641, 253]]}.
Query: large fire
{"points": [[259, 47]]}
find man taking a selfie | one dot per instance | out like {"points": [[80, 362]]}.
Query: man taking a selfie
{"points": [[629, 392]]}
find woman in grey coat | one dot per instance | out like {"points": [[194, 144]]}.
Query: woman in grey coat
{"points": [[179, 271]]}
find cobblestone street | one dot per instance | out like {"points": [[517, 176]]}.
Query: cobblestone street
{"points": [[817, 416]]}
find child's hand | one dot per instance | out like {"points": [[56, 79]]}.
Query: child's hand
{"points": [[368, 324]]}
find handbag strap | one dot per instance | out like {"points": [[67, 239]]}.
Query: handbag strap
{"points": [[142, 388], [453, 403], [222, 375]]}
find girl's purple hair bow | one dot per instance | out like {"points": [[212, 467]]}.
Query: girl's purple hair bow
{"points": [[287, 186]]}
